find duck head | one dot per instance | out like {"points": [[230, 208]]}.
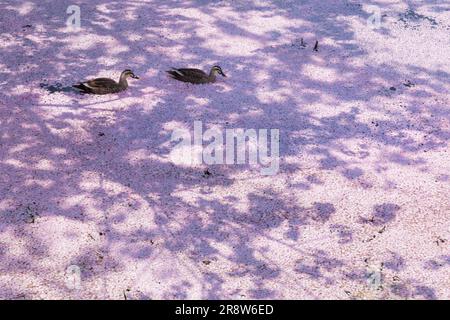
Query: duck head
{"points": [[217, 70], [128, 74]]}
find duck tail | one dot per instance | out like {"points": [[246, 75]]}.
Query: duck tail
{"points": [[175, 73], [81, 86], [78, 86]]}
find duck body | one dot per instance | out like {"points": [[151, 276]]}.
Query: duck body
{"points": [[195, 76], [101, 86], [106, 85]]}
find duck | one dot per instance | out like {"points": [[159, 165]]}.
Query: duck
{"points": [[106, 85], [196, 76]]}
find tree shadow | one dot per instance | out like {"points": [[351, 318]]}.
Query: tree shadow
{"points": [[88, 180]]}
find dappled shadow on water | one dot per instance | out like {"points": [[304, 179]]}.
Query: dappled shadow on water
{"points": [[103, 163]]}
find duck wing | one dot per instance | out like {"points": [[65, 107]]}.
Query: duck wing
{"points": [[187, 74], [100, 83], [192, 72], [98, 86]]}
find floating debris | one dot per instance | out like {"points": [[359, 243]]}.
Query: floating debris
{"points": [[316, 46], [412, 19], [302, 43], [408, 84], [207, 173]]}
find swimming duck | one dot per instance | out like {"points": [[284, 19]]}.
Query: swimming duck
{"points": [[106, 85], [196, 76]]}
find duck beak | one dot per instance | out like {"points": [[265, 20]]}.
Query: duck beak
{"points": [[223, 74], [135, 76]]}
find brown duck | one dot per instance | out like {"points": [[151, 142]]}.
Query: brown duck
{"points": [[106, 85], [196, 76]]}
